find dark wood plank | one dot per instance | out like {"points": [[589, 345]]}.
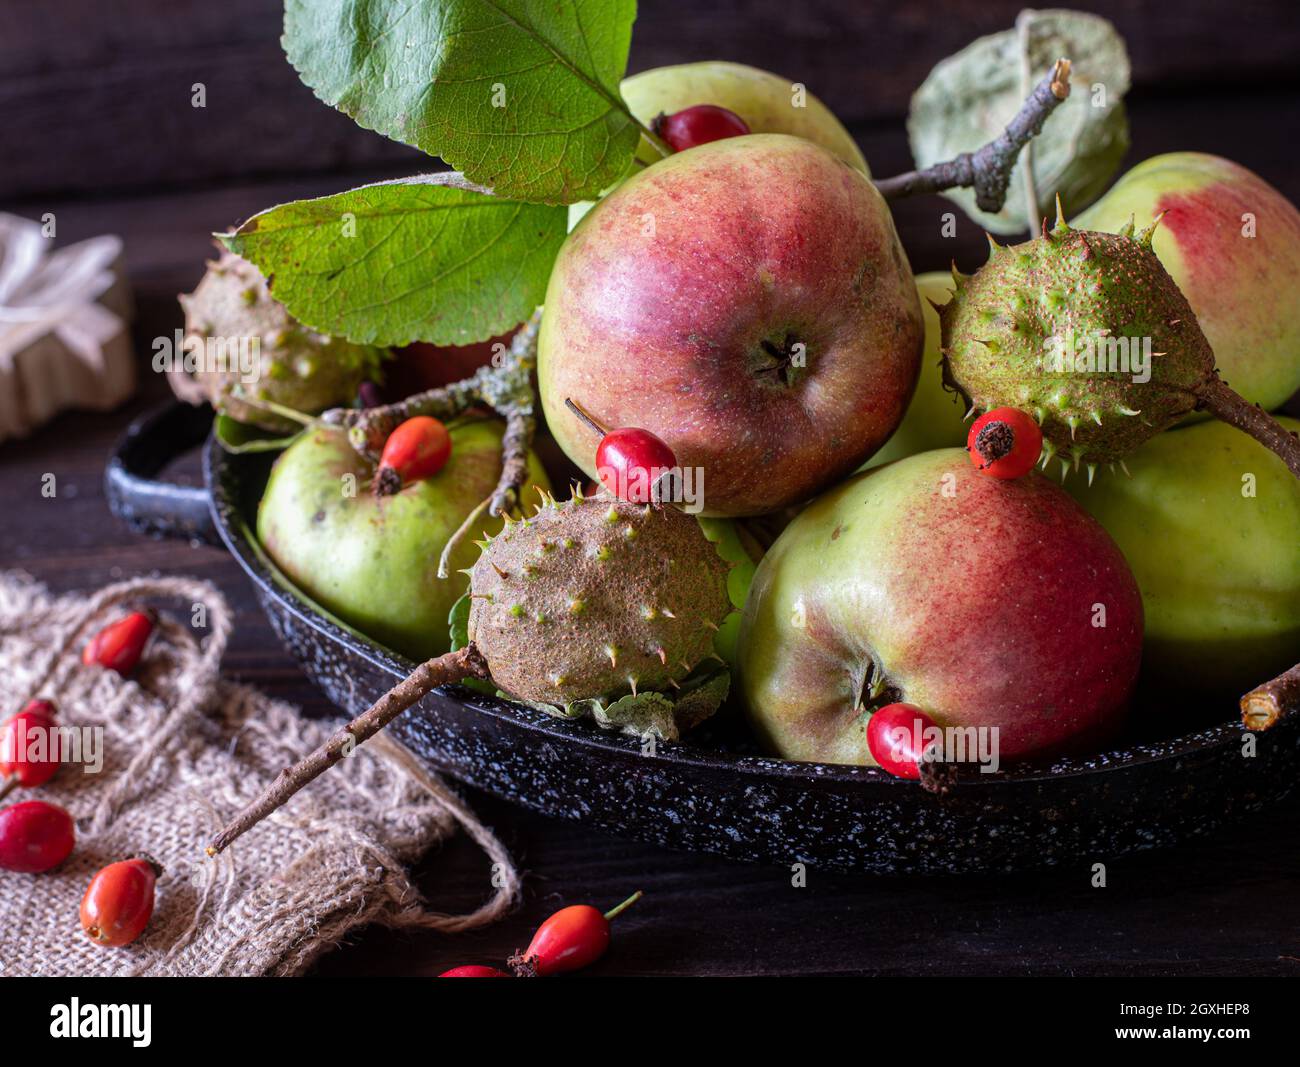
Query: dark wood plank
{"points": [[97, 96]]}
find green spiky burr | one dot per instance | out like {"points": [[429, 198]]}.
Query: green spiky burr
{"points": [[1087, 332], [596, 597], [232, 309]]}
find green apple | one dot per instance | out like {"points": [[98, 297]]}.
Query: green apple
{"points": [[1210, 523], [1232, 243], [936, 417], [987, 603], [767, 102], [373, 560]]}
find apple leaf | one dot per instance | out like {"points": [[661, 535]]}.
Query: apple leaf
{"points": [[968, 99], [521, 97], [430, 258]]}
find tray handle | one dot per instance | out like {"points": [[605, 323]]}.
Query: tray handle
{"points": [[138, 497]]}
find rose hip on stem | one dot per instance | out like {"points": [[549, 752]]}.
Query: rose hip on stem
{"points": [[631, 462], [570, 939], [419, 448], [34, 837], [1004, 443], [896, 737], [31, 731], [473, 970], [119, 901], [119, 645], [699, 125]]}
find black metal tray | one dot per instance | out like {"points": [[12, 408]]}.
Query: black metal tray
{"points": [[714, 793]]}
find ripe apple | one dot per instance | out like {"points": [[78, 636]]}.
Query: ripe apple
{"points": [[1232, 243], [767, 102], [749, 303], [1210, 523], [373, 560], [936, 417], [985, 603]]}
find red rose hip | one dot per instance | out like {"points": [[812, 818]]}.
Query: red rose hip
{"points": [[119, 902], [1004, 443], [572, 938], [632, 463], [29, 747], [119, 645], [897, 737], [699, 125], [473, 970], [34, 837], [419, 448]]}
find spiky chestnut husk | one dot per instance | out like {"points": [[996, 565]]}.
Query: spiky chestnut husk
{"points": [[596, 598], [1065, 285], [299, 368]]}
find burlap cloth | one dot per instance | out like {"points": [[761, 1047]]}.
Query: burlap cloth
{"points": [[183, 750]]}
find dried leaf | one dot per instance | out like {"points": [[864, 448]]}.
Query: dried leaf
{"points": [[968, 99]]}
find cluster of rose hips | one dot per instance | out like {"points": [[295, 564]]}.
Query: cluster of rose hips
{"points": [[36, 836], [572, 938]]}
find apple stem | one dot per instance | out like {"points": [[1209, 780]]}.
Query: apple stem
{"points": [[1227, 404], [988, 169], [468, 662], [1263, 706], [586, 416], [506, 386]]}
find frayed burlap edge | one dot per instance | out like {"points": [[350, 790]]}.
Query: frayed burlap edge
{"points": [[183, 750]]}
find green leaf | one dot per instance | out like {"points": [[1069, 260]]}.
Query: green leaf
{"points": [[429, 258], [968, 99], [237, 437], [458, 624], [521, 96]]}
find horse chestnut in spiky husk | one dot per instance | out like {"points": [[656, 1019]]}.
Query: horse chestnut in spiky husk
{"points": [[596, 598], [232, 307], [1068, 327]]}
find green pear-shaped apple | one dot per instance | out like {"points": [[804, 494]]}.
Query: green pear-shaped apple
{"points": [[986, 603], [1232, 244], [1210, 523], [372, 560]]}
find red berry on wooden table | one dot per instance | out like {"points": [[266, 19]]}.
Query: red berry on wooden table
{"points": [[473, 970], [572, 938], [34, 837], [119, 901], [119, 645], [699, 125], [1005, 443]]}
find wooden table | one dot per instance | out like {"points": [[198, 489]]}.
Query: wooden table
{"points": [[1224, 906]]}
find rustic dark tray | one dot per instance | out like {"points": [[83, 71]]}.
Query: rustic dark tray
{"points": [[714, 793]]}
